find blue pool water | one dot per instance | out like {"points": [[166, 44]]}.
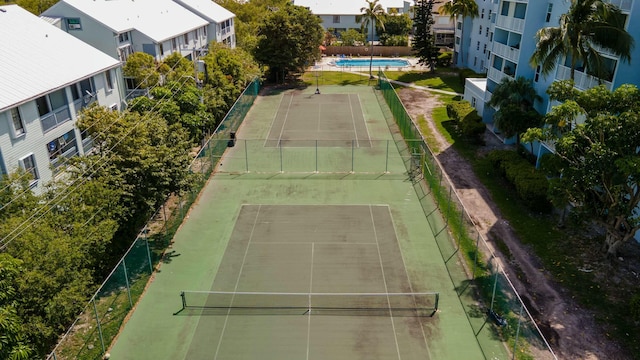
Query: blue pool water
{"points": [[376, 62]]}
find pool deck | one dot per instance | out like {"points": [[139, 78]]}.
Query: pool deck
{"points": [[327, 63]]}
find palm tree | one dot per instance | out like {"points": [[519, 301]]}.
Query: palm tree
{"points": [[514, 99], [587, 26], [464, 8], [372, 14]]}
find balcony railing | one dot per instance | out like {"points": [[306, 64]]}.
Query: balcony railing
{"points": [[582, 81], [55, 119], [496, 75], [506, 52], [62, 158], [624, 5], [87, 145], [510, 23]]}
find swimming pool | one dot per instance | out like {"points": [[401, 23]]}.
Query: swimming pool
{"points": [[376, 62]]}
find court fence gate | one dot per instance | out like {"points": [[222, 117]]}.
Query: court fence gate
{"points": [[481, 276], [91, 334]]}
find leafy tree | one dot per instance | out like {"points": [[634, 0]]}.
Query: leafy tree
{"points": [[329, 37], [372, 14], [142, 67], [179, 69], [587, 26], [514, 99], [464, 8], [288, 41], [12, 332], [599, 159], [396, 29], [35, 7], [423, 40], [352, 37]]}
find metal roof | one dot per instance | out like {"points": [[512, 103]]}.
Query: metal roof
{"points": [[208, 9], [160, 20], [345, 7], [37, 57]]}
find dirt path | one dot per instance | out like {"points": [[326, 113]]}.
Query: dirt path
{"points": [[571, 330]]}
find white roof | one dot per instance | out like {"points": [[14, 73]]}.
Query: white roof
{"points": [[158, 19], [345, 7], [208, 10], [36, 57]]}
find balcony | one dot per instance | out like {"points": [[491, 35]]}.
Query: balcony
{"points": [[506, 52], [624, 5], [61, 159], [56, 118], [496, 75], [510, 23], [582, 81]]}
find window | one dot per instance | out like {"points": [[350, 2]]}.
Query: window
{"points": [[491, 37], [64, 145], [107, 75], [186, 39], [537, 75], [473, 101], [161, 49], [482, 14], [484, 49], [480, 31], [86, 87], [174, 44], [457, 40], [475, 60], [73, 24], [204, 31], [478, 46], [486, 33], [459, 26], [131, 83], [18, 125], [28, 164], [549, 9], [336, 19], [123, 37], [43, 105]]}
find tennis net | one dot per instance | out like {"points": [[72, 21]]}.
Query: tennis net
{"points": [[414, 304]]}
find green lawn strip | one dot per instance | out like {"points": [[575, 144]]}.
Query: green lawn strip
{"points": [[335, 78], [446, 79], [557, 251]]}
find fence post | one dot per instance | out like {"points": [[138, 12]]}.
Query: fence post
{"points": [[495, 285], [515, 343], [352, 154], [448, 206], [475, 258], [386, 160], [95, 309], [316, 155], [246, 155], [280, 146], [126, 280], [146, 242]]}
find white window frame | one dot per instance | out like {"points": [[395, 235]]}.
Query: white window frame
{"points": [[336, 19], [109, 80], [32, 170], [15, 115]]}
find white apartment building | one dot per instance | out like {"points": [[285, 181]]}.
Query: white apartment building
{"points": [[46, 78]]}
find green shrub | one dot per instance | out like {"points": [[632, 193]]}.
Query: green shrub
{"points": [[444, 59], [472, 126], [458, 110], [530, 184]]}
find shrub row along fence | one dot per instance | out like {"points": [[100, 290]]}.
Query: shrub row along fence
{"points": [[473, 267], [91, 334]]}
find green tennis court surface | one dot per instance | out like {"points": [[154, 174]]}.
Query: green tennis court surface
{"points": [[251, 232]]}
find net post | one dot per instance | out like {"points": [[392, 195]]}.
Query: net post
{"points": [[437, 301], [246, 155], [126, 280], [184, 301]]}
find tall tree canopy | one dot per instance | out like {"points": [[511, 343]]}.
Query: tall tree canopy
{"points": [[372, 14], [514, 99], [587, 26], [599, 160], [289, 40], [424, 43], [464, 8], [394, 29]]}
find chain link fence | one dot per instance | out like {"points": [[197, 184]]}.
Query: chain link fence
{"points": [[492, 304], [91, 334]]}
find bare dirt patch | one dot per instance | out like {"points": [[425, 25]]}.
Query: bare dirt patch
{"points": [[571, 330]]}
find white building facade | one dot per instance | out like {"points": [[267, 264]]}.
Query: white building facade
{"points": [[46, 78]]}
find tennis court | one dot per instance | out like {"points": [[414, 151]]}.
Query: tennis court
{"points": [[332, 119], [278, 265], [337, 250]]}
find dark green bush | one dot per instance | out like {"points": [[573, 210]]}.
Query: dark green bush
{"points": [[530, 184], [444, 59]]}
